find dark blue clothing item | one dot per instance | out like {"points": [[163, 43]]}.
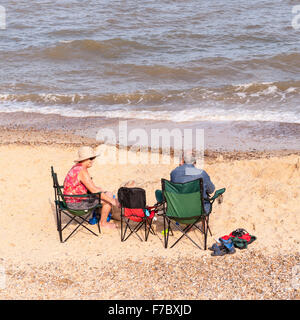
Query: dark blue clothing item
{"points": [[188, 172]]}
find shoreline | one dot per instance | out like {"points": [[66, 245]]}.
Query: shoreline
{"points": [[221, 136], [34, 137]]}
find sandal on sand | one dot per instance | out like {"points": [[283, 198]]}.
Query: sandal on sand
{"points": [[231, 251], [225, 247], [228, 244], [214, 246], [219, 251]]}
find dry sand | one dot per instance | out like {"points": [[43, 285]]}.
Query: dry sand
{"points": [[262, 195]]}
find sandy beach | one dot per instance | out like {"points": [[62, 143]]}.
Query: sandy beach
{"points": [[217, 76], [262, 196]]}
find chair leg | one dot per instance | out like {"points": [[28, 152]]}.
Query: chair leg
{"points": [[132, 230], [145, 223], [80, 224], [59, 226], [99, 229], [149, 229], [57, 223], [135, 229], [208, 226], [205, 230], [167, 226], [121, 224], [56, 208], [98, 215], [165, 239], [123, 231], [185, 231], [166, 233]]}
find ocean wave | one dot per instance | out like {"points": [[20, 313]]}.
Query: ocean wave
{"points": [[112, 48], [284, 62], [155, 71], [69, 99], [267, 88], [174, 106], [288, 62], [192, 114], [208, 114], [239, 93], [79, 49]]}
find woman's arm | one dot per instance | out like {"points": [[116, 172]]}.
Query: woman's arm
{"points": [[85, 178]]}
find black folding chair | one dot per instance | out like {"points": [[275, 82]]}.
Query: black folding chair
{"points": [[134, 213]]}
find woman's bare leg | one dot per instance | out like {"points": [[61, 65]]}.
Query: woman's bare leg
{"points": [[106, 208], [111, 195]]}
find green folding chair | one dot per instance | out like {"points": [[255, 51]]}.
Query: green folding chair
{"points": [[184, 205], [81, 217]]}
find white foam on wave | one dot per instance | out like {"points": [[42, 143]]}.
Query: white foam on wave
{"points": [[28, 107], [66, 41], [271, 91], [247, 96], [208, 115], [245, 86], [185, 115], [44, 97], [290, 90]]}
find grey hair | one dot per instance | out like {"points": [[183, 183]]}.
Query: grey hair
{"points": [[189, 157]]}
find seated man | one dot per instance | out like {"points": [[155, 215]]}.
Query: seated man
{"points": [[186, 172], [78, 181]]}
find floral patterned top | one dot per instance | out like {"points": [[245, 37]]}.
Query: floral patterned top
{"points": [[73, 186]]}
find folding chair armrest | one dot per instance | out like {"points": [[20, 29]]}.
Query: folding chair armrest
{"points": [[157, 205], [217, 194], [82, 195], [96, 193]]}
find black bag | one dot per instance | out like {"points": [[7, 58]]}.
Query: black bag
{"points": [[132, 198]]}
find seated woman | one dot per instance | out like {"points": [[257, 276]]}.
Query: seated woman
{"points": [[78, 181]]}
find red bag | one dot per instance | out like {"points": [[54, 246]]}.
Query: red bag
{"points": [[138, 214]]}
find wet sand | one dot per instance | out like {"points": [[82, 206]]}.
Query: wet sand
{"points": [[218, 135]]}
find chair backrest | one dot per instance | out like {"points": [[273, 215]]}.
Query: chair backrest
{"points": [[185, 201], [54, 182], [58, 190], [132, 198]]}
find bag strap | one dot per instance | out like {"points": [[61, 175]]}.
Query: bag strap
{"points": [[239, 232]]}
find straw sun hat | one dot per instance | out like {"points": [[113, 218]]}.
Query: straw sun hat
{"points": [[85, 153]]}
